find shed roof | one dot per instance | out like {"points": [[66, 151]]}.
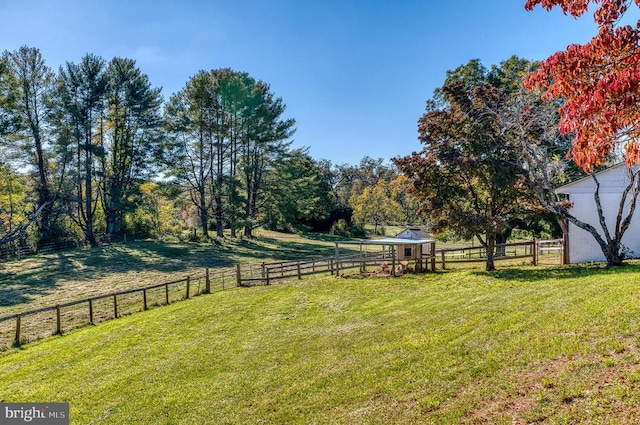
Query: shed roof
{"points": [[389, 241], [413, 233]]}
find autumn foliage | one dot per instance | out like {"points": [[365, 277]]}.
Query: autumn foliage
{"points": [[599, 83]]}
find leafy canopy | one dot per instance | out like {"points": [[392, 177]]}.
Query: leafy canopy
{"points": [[599, 81]]}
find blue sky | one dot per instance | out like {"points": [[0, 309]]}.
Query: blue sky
{"points": [[354, 74]]}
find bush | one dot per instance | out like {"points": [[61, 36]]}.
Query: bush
{"points": [[346, 229]]}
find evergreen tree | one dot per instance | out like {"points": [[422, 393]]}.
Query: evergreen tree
{"points": [[29, 141], [80, 128], [131, 126]]}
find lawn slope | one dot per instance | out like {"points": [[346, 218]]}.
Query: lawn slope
{"points": [[59, 277], [523, 345]]}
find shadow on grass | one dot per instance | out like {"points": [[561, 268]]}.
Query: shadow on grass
{"points": [[26, 280], [326, 237], [572, 272], [284, 249], [20, 287]]}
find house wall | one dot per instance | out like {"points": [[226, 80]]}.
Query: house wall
{"points": [[582, 245]]}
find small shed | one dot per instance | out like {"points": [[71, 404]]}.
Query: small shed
{"points": [[408, 248], [410, 245], [581, 245]]}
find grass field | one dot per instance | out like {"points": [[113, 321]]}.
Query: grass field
{"points": [[520, 345], [50, 279]]}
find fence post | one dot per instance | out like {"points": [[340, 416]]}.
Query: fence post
{"points": [[144, 299], [207, 282], [442, 252], [433, 256], [188, 285], [535, 251], [58, 321], [238, 277], [166, 293], [299, 272], [262, 271], [331, 265], [115, 306], [267, 275], [393, 260], [16, 341]]}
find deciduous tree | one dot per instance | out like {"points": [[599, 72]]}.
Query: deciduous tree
{"points": [[376, 204], [599, 83], [466, 176], [294, 195]]}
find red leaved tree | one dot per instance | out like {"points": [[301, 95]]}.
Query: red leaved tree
{"points": [[599, 82]]}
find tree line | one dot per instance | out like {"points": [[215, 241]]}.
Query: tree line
{"points": [[94, 149]]}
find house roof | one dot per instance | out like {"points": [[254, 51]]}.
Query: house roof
{"points": [[587, 180]]}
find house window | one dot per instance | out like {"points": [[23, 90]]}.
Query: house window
{"points": [[408, 252]]}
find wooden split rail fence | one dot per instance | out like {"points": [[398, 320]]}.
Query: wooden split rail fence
{"points": [[272, 271], [20, 328], [551, 251], [17, 329], [19, 249], [547, 251]]}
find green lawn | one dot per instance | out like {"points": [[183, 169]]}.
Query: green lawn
{"points": [[522, 345], [55, 278]]}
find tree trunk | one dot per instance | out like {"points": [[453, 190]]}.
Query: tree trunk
{"points": [[111, 204], [501, 239], [111, 221], [614, 257], [88, 233], [88, 185], [204, 216], [44, 196], [490, 248], [219, 217]]}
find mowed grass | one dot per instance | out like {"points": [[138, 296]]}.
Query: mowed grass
{"points": [[523, 345], [56, 278]]}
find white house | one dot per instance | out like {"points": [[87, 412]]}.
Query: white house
{"points": [[582, 246]]}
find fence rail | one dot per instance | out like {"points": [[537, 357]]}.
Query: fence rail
{"points": [[20, 249], [548, 250], [20, 328]]}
